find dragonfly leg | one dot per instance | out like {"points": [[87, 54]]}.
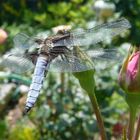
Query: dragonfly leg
{"points": [[62, 56], [66, 48], [66, 58]]}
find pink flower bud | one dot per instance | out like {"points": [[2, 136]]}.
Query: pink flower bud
{"points": [[129, 77], [3, 36]]}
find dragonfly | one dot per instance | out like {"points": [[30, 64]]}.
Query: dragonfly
{"points": [[65, 51]]}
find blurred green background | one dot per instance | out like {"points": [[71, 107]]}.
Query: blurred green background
{"points": [[63, 111]]}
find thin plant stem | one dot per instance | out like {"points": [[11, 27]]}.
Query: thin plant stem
{"points": [[136, 137], [131, 123], [87, 82], [98, 115], [133, 101]]}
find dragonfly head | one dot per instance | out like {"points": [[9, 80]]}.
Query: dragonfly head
{"points": [[62, 32]]}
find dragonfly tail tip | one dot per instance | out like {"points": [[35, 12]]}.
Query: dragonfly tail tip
{"points": [[26, 110]]}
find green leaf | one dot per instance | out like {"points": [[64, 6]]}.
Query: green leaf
{"points": [[86, 80]]}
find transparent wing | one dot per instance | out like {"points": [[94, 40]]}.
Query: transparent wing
{"points": [[105, 58], [20, 40], [96, 34], [81, 61], [24, 42], [16, 59], [71, 64], [43, 34], [17, 64]]}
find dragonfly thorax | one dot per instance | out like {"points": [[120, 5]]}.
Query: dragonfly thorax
{"points": [[46, 48]]}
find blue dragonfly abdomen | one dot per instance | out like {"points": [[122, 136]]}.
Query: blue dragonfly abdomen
{"points": [[37, 82]]}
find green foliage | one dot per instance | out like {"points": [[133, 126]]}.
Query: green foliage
{"points": [[45, 14], [23, 132], [3, 130], [130, 9]]}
